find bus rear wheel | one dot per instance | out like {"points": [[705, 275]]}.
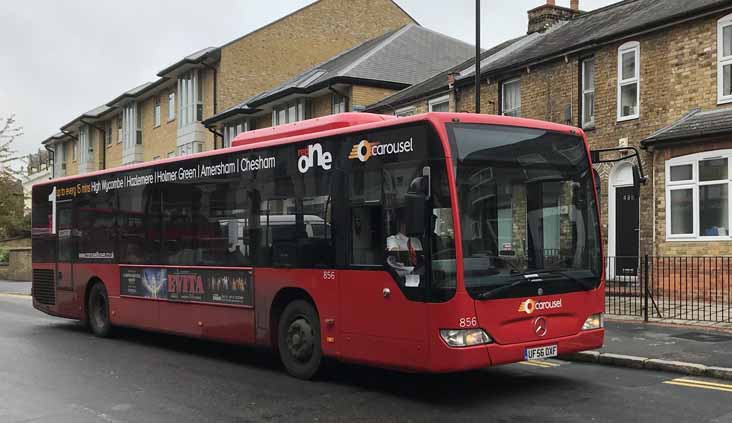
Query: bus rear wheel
{"points": [[298, 339], [97, 309]]}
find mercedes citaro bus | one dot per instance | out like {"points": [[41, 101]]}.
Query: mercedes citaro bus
{"points": [[434, 243]]}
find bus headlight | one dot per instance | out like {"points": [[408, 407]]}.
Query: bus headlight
{"points": [[593, 322], [465, 337]]}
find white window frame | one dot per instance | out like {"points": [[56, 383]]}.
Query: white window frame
{"points": [[633, 46], [120, 124], [300, 108], [503, 97], [438, 101], [721, 60], [585, 91], [171, 106], [232, 129], [190, 98], [405, 111], [338, 104], [156, 112], [694, 184]]}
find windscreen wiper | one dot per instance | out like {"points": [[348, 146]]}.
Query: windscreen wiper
{"points": [[567, 276], [522, 279], [530, 277]]}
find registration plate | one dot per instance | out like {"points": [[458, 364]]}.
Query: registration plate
{"points": [[540, 352]]}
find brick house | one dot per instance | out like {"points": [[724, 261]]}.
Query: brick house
{"points": [[348, 81], [653, 74], [164, 117]]}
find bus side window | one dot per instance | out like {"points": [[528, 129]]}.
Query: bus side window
{"points": [[367, 234]]}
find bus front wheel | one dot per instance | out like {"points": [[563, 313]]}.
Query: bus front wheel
{"points": [[98, 311], [298, 339]]}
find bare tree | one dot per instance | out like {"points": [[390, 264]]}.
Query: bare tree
{"points": [[9, 131]]}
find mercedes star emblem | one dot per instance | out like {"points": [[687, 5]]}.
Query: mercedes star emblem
{"points": [[540, 326]]}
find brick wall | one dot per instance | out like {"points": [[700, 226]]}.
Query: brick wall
{"points": [[364, 96], [270, 55]]}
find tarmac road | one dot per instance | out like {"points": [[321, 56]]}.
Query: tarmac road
{"points": [[52, 370]]}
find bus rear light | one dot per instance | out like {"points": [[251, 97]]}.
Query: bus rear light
{"points": [[465, 337], [593, 322]]}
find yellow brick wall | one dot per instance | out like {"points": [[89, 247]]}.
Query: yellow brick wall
{"points": [[114, 151], [322, 105], [72, 165], [263, 121], [271, 55], [364, 96], [157, 141]]}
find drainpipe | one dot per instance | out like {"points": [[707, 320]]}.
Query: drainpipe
{"points": [[52, 159], [217, 134]]}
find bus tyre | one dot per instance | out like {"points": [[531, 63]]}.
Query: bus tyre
{"points": [[298, 339], [97, 309]]}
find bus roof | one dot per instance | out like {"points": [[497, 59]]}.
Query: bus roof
{"points": [[342, 123]]}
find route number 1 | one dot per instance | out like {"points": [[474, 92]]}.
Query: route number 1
{"points": [[52, 200]]}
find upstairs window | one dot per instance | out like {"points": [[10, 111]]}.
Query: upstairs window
{"points": [[724, 60], [629, 81], [588, 93], [698, 196], [511, 98], [171, 107], [405, 111], [119, 128], [156, 112], [291, 112], [231, 130], [440, 104], [108, 133], [338, 104], [131, 126], [190, 107]]}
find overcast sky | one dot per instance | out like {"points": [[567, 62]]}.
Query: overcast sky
{"points": [[59, 59]]}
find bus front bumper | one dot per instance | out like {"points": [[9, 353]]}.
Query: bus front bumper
{"points": [[447, 359]]}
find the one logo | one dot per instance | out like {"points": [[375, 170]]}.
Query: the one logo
{"points": [[529, 305], [366, 149], [311, 156], [540, 327]]}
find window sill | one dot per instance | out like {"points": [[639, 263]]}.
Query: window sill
{"points": [[724, 100], [627, 118], [171, 120], [589, 127], [156, 126], [701, 239]]}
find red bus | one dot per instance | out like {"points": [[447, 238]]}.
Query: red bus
{"points": [[433, 243]]}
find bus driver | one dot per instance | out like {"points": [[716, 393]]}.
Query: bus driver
{"points": [[404, 253]]}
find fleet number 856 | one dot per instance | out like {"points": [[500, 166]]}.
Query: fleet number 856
{"points": [[468, 322]]}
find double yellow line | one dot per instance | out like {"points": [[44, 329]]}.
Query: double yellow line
{"points": [[540, 363], [691, 383], [2, 294]]}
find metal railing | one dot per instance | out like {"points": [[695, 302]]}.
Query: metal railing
{"points": [[670, 288]]}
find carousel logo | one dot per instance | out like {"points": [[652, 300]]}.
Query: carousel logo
{"points": [[366, 149], [529, 306], [307, 158]]}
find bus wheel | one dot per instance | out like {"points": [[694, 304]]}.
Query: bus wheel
{"points": [[97, 309], [298, 339]]}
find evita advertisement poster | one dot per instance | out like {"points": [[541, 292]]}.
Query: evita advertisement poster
{"points": [[219, 286]]}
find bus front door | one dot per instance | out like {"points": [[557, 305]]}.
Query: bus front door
{"points": [[65, 247]]}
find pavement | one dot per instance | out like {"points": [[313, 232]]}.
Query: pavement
{"points": [[53, 370]]}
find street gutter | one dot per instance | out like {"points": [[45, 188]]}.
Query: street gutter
{"points": [[645, 363]]}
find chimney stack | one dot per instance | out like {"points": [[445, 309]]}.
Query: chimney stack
{"points": [[547, 15]]}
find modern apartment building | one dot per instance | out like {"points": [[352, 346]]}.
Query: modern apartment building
{"points": [[164, 117]]}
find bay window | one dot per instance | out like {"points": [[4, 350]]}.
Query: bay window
{"points": [[629, 81], [511, 98], [190, 98], [724, 60], [697, 196], [231, 130], [291, 112]]}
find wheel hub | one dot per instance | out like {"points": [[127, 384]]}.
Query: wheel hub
{"points": [[300, 339]]}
